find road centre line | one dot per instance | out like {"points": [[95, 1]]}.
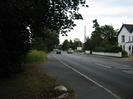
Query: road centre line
{"points": [[103, 65], [128, 71], [86, 77], [127, 68]]}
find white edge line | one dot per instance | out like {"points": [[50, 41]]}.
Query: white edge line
{"points": [[86, 77]]}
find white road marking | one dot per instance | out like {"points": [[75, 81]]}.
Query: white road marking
{"points": [[128, 71], [127, 68], [86, 77], [103, 65], [120, 66]]}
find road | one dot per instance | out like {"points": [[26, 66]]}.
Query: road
{"points": [[92, 76]]}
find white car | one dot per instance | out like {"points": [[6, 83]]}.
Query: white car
{"points": [[70, 51]]}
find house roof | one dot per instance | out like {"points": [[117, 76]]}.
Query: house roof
{"points": [[129, 27]]}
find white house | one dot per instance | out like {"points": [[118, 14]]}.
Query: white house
{"points": [[125, 38]]}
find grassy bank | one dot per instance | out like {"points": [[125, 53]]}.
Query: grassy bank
{"points": [[30, 84], [35, 56]]}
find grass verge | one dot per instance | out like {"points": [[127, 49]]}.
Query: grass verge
{"points": [[35, 56], [31, 84]]}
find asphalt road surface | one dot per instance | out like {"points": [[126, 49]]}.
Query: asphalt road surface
{"points": [[92, 76]]}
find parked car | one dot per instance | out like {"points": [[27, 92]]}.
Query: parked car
{"points": [[58, 51], [70, 51]]}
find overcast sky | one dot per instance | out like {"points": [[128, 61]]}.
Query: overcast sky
{"points": [[109, 12]]}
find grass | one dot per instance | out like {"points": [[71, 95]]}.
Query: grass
{"points": [[35, 56], [30, 84]]}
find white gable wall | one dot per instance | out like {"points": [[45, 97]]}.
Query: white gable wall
{"points": [[125, 45], [123, 32]]}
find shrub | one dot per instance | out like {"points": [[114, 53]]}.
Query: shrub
{"points": [[124, 53], [116, 48], [108, 48], [36, 56], [99, 49]]}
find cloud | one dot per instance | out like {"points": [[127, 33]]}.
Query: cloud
{"points": [[112, 2], [109, 12], [107, 9]]}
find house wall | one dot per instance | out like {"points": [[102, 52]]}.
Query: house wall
{"points": [[125, 32], [119, 54]]}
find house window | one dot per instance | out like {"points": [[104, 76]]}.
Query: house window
{"points": [[129, 48], [129, 39], [122, 38]]}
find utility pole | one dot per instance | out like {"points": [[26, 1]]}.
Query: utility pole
{"points": [[83, 46], [84, 33]]}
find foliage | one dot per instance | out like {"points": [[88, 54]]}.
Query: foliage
{"points": [[116, 48], [124, 53], [88, 45], [14, 41], [46, 42], [17, 15], [69, 44], [109, 34], [103, 38], [99, 49], [36, 56], [96, 37], [65, 45], [77, 43], [108, 48]]}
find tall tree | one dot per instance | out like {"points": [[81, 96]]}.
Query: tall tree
{"points": [[17, 15], [46, 42], [104, 38], [88, 45], [77, 43], [96, 36], [70, 44], [65, 45], [109, 34]]}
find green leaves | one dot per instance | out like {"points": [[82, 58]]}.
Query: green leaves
{"points": [[17, 15], [103, 37]]}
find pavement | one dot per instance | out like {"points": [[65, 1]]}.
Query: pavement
{"points": [[130, 58], [91, 76]]}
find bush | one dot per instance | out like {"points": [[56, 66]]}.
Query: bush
{"points": [[99, 49], [116, 49], [108, 48], [124, 53], [36, 56]]}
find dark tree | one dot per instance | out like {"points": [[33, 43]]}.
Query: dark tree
{"points": [[95, 24], [14, 38], [71, 44], [88, 45], [46, 42], [17, 15], [104, 38], [65, 45], [96, 37], [77, 43], [109, 34]]}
